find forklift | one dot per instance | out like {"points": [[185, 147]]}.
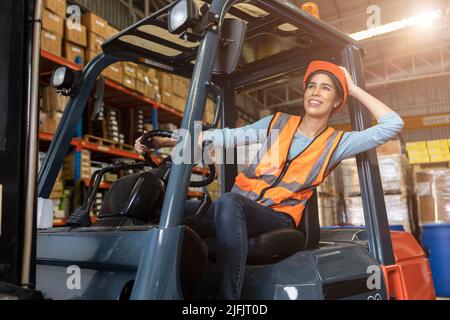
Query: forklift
{"points": [[141, 247]]}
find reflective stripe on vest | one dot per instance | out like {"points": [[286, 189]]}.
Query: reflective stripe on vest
{"points": [[286, 185]]}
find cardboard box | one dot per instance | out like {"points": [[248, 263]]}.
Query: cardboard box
{"points": [[167, 98], [180, 86], [110, 32], [56, 6], [417, 145], [165, 82], [74, 53], [152, 92], [51, 42], [178, 103], [443, 144], [397, 213], [433, 195], [151, 74], [390, 147], [439, 158], [94, 42], [115, 73], [53, 23], [130, 69], [90, 55], [438, 151], [141, 73], [129, 82], [417, 153], [76, 35], [95, 24], [419, 159], [393, 171], [53, 101], [140, 86], [49, 121], [210, 111]]}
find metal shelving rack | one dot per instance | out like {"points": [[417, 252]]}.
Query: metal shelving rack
{"points": [[119, 96]]}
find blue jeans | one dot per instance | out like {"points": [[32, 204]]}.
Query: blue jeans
{"points": [[232, 219]]}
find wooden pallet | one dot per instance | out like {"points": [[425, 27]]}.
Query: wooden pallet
{"points": [[431, 165], [100, 141], [107, 143]]}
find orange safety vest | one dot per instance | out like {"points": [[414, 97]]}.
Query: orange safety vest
{"points": [[286, 185]]}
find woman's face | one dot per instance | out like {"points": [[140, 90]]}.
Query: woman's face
{"points": [[320, 96]]}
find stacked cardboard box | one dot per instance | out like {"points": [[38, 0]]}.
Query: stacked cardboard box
{"points": [[53, 16], [58, 187], [152, 85], [52, 107], [438, 150], [395, 175], [165, 83], [329, 200], [129, 75], [394, 171], [52, 101], [75, 42], [428, 151], [433, 195], [69, 166], [329, 210], [180, 92], [96, 33], [397, 206], [417, 152], [210, 111]]}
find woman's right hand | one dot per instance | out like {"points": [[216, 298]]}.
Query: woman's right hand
{"points": [[139, 147], [156, 142]]}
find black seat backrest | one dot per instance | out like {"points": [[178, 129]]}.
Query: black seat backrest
{"points": [[136, 195], [310, 223]]}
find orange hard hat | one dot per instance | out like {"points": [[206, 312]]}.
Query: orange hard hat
{"points": [[332, 68]]}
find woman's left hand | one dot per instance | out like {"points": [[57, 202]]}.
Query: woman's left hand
{"points": [[350, 84]]}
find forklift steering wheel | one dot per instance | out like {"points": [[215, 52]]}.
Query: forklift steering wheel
{"points": [[146, 140]]}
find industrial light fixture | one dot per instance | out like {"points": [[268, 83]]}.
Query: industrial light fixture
{"points": [[65, 80], [183, 15], [426, 18]]}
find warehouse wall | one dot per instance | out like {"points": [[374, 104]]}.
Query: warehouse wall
{"points": [[420, 98]]}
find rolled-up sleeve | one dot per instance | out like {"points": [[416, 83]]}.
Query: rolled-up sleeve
{"points": [[352, 143]]}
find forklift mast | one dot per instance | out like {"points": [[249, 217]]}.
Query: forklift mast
{"points": [[17, 232]]}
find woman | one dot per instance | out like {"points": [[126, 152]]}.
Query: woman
{"points": [[296, 156]]}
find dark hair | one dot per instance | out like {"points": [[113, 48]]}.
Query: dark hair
{"points": [[337, 83]]}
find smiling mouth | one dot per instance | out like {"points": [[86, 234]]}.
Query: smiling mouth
{"points": [[314, 102]]}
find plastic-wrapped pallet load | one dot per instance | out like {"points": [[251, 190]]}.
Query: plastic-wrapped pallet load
{"points": [[433, 193], [393, 172], [330, 184], [329, 200], [329, 210], [397, 205]]}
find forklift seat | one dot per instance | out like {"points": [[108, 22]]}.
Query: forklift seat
{"points": [[275, 245]]}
